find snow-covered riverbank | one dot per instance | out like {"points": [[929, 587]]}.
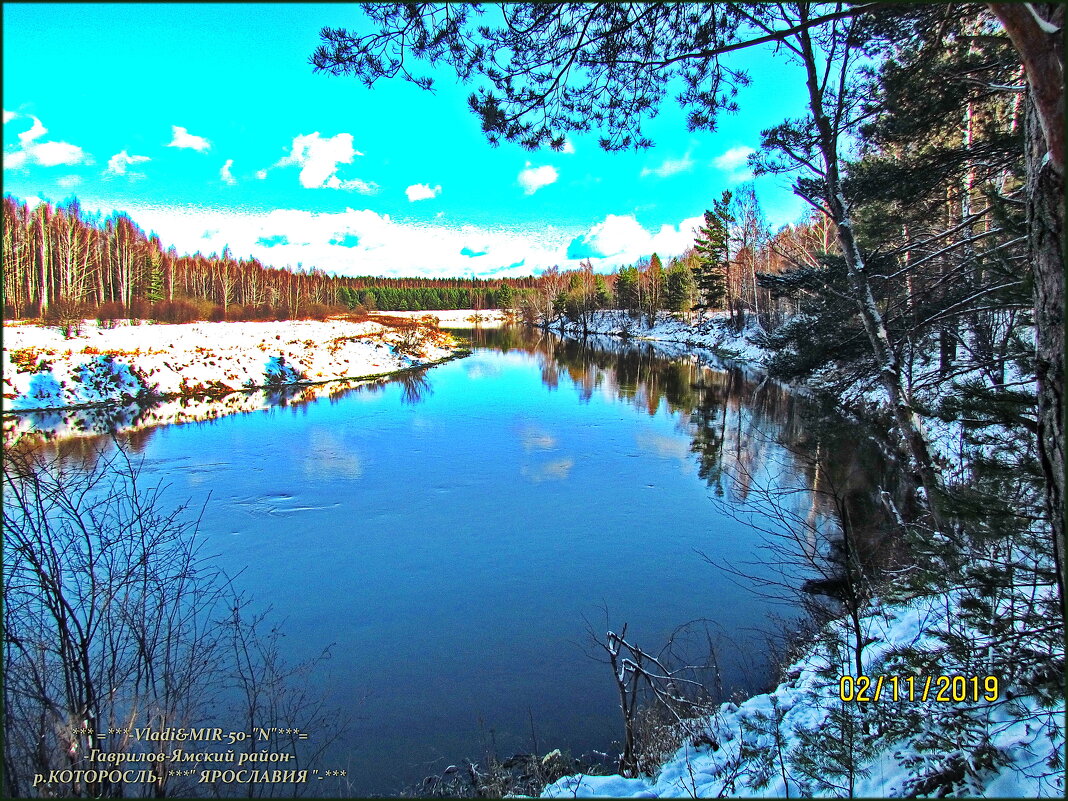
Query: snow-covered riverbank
{"points": [[712, 331], [458, 318], [44, 370], [982, 736], [803, 740]]}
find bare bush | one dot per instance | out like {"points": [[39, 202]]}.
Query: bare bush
{"points": [[178, 311], [660, 695], [66, 316], [108, 313], [114, 620], [106, 617]]}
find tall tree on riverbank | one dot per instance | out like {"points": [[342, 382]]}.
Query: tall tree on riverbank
{"points": [[712, 273], [833, 58]]}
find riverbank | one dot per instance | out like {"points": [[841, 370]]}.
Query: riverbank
{"points": [[43, 369], [941, 715], [457, 318], [812, 736], [712, 331]]}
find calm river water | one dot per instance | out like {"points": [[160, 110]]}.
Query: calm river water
{"points": [[457, 535]]}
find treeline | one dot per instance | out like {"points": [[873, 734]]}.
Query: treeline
{"points": [[59, 261], [423, 298], [721, 271]]}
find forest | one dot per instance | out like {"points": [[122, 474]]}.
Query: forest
{"points": [[60, 261]]}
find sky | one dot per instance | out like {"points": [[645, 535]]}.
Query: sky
{"points": [[207, 124]]}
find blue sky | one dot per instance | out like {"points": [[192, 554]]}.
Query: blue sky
{"points": [[206, 123]]}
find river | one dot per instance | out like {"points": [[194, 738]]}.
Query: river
{"points": [[459, 537]]}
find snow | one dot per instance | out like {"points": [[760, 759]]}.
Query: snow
{"points": [[733, 751], [458, 318], [133, 362], [710, 331], [737, 740]]}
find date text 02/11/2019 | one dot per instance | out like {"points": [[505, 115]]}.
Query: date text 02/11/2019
{"points": [[943, 689]]}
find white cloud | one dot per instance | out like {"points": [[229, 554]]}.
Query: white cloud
{"points": [[614, 235], [9, 116], [355, 185], [670, 167], [734, 162], [46, 154], [15, 159], [568, 147], [225, 175], [51, 154], [261, 174], [67, 181], [182, 138], [118, 163], [36, 132], [319, 158], [534, 178], [733, 158], [366, 242], [621, 239], [422, 192], [356, 242]]}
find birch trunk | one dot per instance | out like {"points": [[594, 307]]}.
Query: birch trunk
{"points": [[837, 208]]}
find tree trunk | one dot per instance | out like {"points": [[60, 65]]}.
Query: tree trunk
{"points": [[1045, 218], [42, 268], [1037, 34], [838, 210]]}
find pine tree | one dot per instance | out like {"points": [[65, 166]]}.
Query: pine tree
{"points": [[505, 297], [713, 248], [680, 288]]}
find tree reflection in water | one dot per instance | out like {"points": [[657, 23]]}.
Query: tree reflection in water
{"points": [[733, 416], [82, 436]]}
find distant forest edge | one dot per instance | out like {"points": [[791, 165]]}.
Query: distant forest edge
{"points": [[60, 263], [57, 259]]}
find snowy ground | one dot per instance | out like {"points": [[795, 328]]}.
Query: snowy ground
{"points": [[758, 748], [44, 370], [712, 332], [457, 318]]}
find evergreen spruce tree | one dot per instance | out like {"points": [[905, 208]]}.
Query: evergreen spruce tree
{"points": [[602, 294], [627, 288], [680, 289], [505, 297], [153, 289], [713, 249]]}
